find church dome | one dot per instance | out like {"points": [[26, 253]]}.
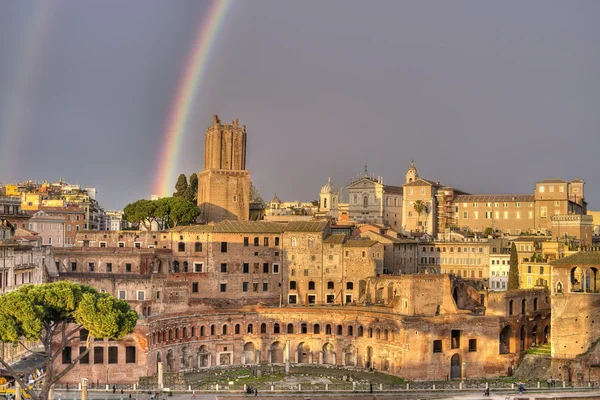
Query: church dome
{"points": [[327, 188], [275, 199]]}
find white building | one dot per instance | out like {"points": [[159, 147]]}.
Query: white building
{"points": [[499, 266], [370, 201], [114, 220], [329, 198]]}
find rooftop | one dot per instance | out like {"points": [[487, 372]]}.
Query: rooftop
{"points": [[582, 257]]}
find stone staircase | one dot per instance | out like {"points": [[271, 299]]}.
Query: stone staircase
{"points": [[535, 365]]}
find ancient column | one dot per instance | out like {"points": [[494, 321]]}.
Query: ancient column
{"points": [[84, 389], [286, 356], [160, 375], [17, 391]]}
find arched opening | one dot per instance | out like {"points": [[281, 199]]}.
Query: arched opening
{"points": [[170, 360], [576, 280], [276, 328], [202, 331], [535, 304], [250, 328], [185, 266], [350, 355], [184, 358], [263, 328], [276, 353], [212, 330], [237, 329], [455, 367], [290, 328], [303, 328], [386, 334], [249, 353], [534, 336], [350, 330], [328, 329], [203, 357], [546, 334], [360, 331], [369, 357], [523, 307], [522, 336], [507, 340], [339, 330], [510, 307], [377, 333], [175, 266], [303, 353], [455, 296], [158, 359], [328, 354], [559, 287], [591, 276], [316, 329], [370, 332], [362, 290], [224, 330]]}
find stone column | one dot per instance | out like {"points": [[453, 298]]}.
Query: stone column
{"points": [[320, 357], [84, 388], [286, 357], [51, 393], [310, 357], [17, 391], [160, 375]]}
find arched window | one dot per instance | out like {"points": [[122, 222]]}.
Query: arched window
{"points": [[339, 330], [316, 329], [365, 201], [224, 330], [370, 332], [395, 202], [325, 203], [360, 331], [290, 328], [212, 330], [250, 328], [175, 266], [201, 331], [198, 247], [350, 330], [184, 333], [263, 328], [237, 329], [355, 199], [377, 333], [185, 266], [523, 306], [559, 287], [386, 334], [304, 328], [193, 331], [535, 304], [328, 329], [276, 328], [510, 307]]}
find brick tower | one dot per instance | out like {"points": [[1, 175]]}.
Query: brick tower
{"points": [[224, 185]]}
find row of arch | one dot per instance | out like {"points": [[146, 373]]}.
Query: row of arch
{"points": [[524, 303], [301, 353], [511, 343], [173, 334]]}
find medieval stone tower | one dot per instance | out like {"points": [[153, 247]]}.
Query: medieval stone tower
{"points": [[224, 185]]}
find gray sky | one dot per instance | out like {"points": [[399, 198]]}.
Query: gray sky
{"points": [[485, 96]]}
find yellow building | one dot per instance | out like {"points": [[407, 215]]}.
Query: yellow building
{"points": [[12, 191], [31, 201], [535, 268]]}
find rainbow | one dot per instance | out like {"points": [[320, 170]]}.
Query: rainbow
{"points": [[189, 85]]}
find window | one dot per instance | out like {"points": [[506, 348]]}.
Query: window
{"points": [[113, 355], [98, 355], [542, 189], [223, 267], [130, 355], [316, 329], [472, 345], [328, 329], [245, 286], [276, 328], [277, 241], [127, 267], [543, 212], [181, 247], [108, 267], [330, 285], [141, 295], [349, 286], [66, 355], [85, 359], [122, 295], [266, 268], [311, 243], [198, 247], [73, 267], [266, 242], [455, 336], [255, 287], [265, 286], [223, 247], [292, 299], [437, 346], [465, 214], [255, 241], [195, 287], [198, 267], [246, 241], [91, 267], [275, 268], [292, 285], [311, 285], [294, 242]]}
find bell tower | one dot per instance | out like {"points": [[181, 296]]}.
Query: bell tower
{"points": [[224, 185], [412, 174]]}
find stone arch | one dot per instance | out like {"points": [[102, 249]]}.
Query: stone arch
{"points": [[576, 279], [455, 367], [591, 280], [522, 338], [328, 354], [170, 360], [290, 328], [204, 357], [390, 292], [224, 329], [202, 331], [379, 298], [350, 355], [276, 353], [359, 332], [186, 358], [237, 329], [249, 353], [507, 340], [369, 357], [304, 353], [250, 328]]}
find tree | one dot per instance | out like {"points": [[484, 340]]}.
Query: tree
{"points": [[254, 195], [488, 231], [191, 193], [419, 207], [181, 186], [141, 212], [58, 312], [181, 211], [513, 272]]}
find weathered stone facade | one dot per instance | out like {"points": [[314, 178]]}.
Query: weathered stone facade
{"points": [[224, 185]]}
